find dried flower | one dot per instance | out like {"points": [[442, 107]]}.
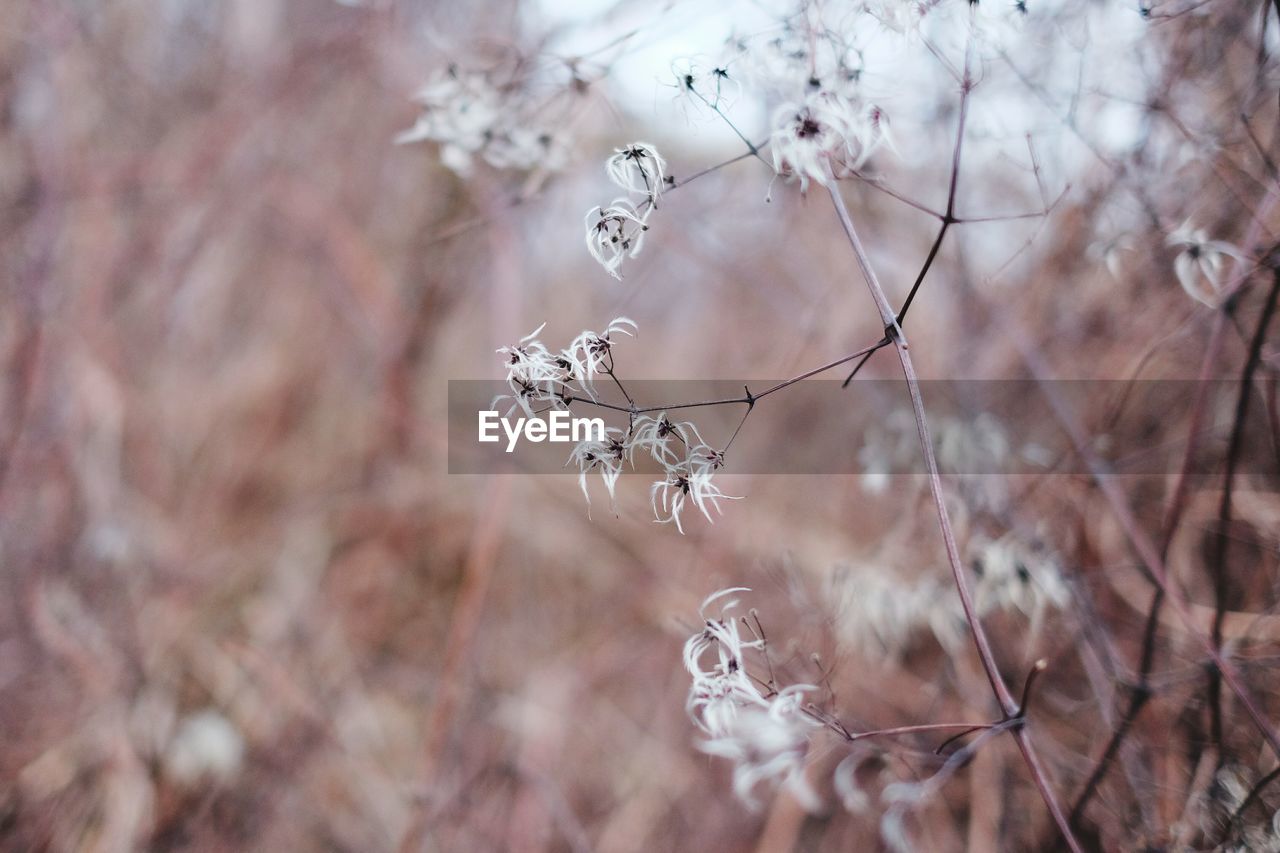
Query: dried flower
{"points": [[882, 615], [614, 233], [588, 353], [638, 168], [530, 360], [655, 436], [764, 733], [687, 481], [769, 743], [719, 691], [603, 456], [533, 373], [469, 116], [1013, 576], [1199, 264], [820, 136]]}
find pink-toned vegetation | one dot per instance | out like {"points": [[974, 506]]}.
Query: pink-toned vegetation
{"points": [[246, 607]]}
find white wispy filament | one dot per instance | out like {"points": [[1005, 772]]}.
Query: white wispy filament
{"points": [[764, 733]]}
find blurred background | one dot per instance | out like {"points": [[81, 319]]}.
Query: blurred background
{"points": [[245, 605]]}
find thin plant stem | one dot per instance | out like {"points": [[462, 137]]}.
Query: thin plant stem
{"points": [[1141, 692], [523, 197], [1007, 703], [947, 219], [747, 399], [967, 728], [1146, 549]]}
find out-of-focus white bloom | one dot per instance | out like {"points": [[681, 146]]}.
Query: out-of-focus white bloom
{"points": [[882, 615], [524, 148], [1230, 786], [603, 456], [1013, 576], [878, 132], [886, 447], [687, 481], [638, 168], [900, 796], [469, 116], [974, 446], [1199, 265], [1000, 26], [1111, 252], [206, 746], [769, 744], [1221, 799], [764, 733], [978, 450], [1259, 838], [845, 782], [458, 110], [975, 449], [809, 140], [821, 136], [615, 233]]}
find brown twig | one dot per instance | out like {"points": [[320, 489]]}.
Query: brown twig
{"points": [[1138, 538]]}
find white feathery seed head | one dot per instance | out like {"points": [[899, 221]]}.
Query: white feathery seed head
{"points": [[764, 732], [638, 168]]}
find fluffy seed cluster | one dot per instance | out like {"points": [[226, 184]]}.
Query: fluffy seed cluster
{"points": [[967, 448], [823, 136], [536, 375], [616, 232], [763, 731], [883, 616], [824, 126], [470, 115], [541, 380]]}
